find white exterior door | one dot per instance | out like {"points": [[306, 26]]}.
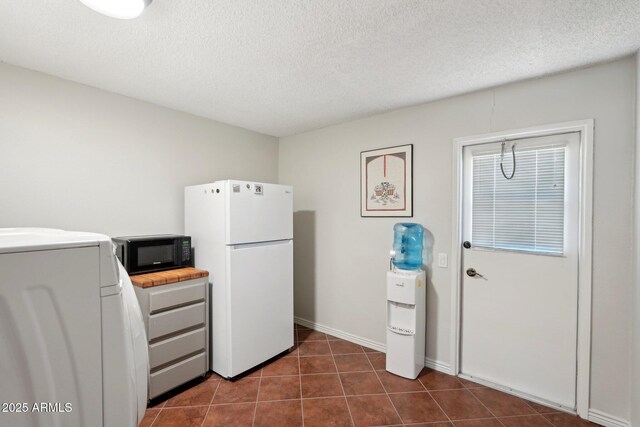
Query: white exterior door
{"points": [[520, 308]]}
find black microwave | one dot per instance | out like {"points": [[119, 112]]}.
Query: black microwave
{"points": [[145, 254]]}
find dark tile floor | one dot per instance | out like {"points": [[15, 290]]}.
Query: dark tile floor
{"points": [[327, 381]]}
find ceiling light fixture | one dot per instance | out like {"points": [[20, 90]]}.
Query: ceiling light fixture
{"points": [[121, 9]]}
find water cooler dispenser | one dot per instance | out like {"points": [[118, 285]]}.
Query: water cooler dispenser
{"points": [[406, 298]]}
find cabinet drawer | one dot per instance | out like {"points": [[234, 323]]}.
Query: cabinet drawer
{"points": [[163, 299], [175, 347], [174, 375], [175, 320]]}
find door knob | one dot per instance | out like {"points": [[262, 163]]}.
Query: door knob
{"points": [[471, 272], [466, 244]]}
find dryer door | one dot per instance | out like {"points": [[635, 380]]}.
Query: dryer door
{"points": [[139, 342], [124, 363]]}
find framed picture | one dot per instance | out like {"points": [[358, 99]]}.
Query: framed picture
{"points": [[386, 178]]}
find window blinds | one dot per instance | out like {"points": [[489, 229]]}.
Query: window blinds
{"points": [[525, 213]]}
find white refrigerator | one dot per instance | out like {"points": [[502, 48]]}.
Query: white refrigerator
{"points": [[242, 233]]}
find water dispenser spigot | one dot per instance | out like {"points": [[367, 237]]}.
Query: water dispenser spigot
{"points": [[392, 255]]}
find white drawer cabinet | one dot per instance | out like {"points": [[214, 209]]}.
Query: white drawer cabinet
{"points": [[166, 351], [176, 321], [174, 375]]}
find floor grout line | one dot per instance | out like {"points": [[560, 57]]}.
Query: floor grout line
{"points": [[156, 417], [328, 397], [210, 402], [556, 425], [255, 410], [438, 404], [386, 392], [520, 415], [417, 391], [538, 413], [230, 403], [353, 423], [473, 419], [300, 377], [351, 395], [486, 407], [439, 422], [185, 406], [333, 372], [527, 415], [323, 397]]}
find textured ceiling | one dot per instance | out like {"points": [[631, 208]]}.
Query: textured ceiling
{"points": [[282, 67]]}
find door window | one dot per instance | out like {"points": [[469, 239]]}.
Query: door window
{"points": [[525, 213]]}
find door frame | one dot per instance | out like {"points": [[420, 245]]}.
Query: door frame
{"points": [[585, 235]]}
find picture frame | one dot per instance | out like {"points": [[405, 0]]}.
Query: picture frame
{"points": [[386, 182]]}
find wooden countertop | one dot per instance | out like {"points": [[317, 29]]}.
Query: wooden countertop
{"points": [[167, 276]]}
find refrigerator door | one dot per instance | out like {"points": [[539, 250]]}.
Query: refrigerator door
{"points": [[258, 212], [260, 300]]}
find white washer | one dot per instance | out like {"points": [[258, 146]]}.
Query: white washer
{"points": [[72, 342]]}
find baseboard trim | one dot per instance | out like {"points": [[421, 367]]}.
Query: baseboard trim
{"points": [[436, 365], [341, 334], [606, 419], [439, 366]]}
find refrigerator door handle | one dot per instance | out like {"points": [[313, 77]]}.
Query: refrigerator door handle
{"points": [[260, 244]]}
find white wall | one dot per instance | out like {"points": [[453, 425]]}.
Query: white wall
{"points": [[635, 353], [341, 259], [79, 158]]}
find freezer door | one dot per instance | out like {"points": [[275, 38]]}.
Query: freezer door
{"points": [[260, 302], [258, 212]]}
